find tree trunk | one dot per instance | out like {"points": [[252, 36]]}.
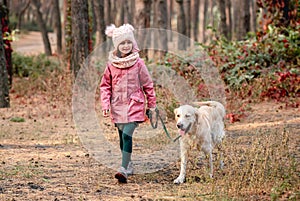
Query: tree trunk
{"points": [[93, 10], [28, 15], [229, 19], [181, 28], [7, 40], [57, 26], [170, 18], [42, 27], [223, 24], [286, 10], [132, 12], [205, 7], [154, 34], [67, 33], [161, 23], [187, 13], [212, 19], [237, 18], [129, 7], [254, 17], [119, 12], [188, 20], [246, 17], [100, 21], [108, 12], [142, 21], [243, 20], [46, 10], [20, 14], [196, 19], [80, 34], [4, 88]]}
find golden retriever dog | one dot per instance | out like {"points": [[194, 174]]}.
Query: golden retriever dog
{"points": [[202, 127]]}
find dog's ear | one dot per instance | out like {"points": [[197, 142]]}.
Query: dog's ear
{"points": [[175, 111], [197, 114]]}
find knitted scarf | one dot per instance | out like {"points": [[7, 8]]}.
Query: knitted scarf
{"points": [[125, 62]]}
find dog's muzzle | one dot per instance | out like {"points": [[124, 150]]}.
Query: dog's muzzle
{"points": [[183, 130], [179, 125]]}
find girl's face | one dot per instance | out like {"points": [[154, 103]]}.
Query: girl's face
{"points": [[125, 47]]}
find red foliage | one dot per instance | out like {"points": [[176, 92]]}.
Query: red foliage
{"points": [[232, 117], [286, 85], [280, 13]]}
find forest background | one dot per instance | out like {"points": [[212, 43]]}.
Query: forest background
{"points": [[254, 44], [244, 38]]}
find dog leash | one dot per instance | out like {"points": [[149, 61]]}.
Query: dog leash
{"points": [[154, 125]]}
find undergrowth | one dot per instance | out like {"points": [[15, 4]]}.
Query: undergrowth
{"points": [[261, 68], [40, 74], [264, 162]]}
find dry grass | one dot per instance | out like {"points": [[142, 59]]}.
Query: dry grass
{"points": [[263, 163]]}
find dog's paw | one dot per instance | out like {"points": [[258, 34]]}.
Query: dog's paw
{"points": [[179, 180]]}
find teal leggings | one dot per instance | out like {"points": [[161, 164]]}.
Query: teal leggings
{"points": [[125, 134]]}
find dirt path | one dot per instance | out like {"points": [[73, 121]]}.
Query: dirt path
{"points": [[32, 43], [43, 159]]}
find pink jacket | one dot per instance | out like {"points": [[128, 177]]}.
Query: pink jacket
{"points": [[127, 91]]}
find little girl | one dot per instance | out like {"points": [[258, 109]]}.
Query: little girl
{"points": [[126, 91]]}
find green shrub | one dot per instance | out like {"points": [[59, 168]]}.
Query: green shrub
{"points": [[243, 61], [274, 57], [33, 66]]}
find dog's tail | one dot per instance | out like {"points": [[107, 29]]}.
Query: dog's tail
{"points": [[206, 103], [215, 104]]}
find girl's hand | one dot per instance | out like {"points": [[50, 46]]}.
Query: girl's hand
{"points": [[152, 109], [105, 113]]}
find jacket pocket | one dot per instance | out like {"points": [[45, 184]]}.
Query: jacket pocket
{"points": [[138, 96]]}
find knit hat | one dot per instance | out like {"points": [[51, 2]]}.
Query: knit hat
{"points": [[120, 34]]}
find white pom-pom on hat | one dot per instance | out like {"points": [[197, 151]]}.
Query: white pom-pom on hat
{"points": [[128, 27], [109, 30]]}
